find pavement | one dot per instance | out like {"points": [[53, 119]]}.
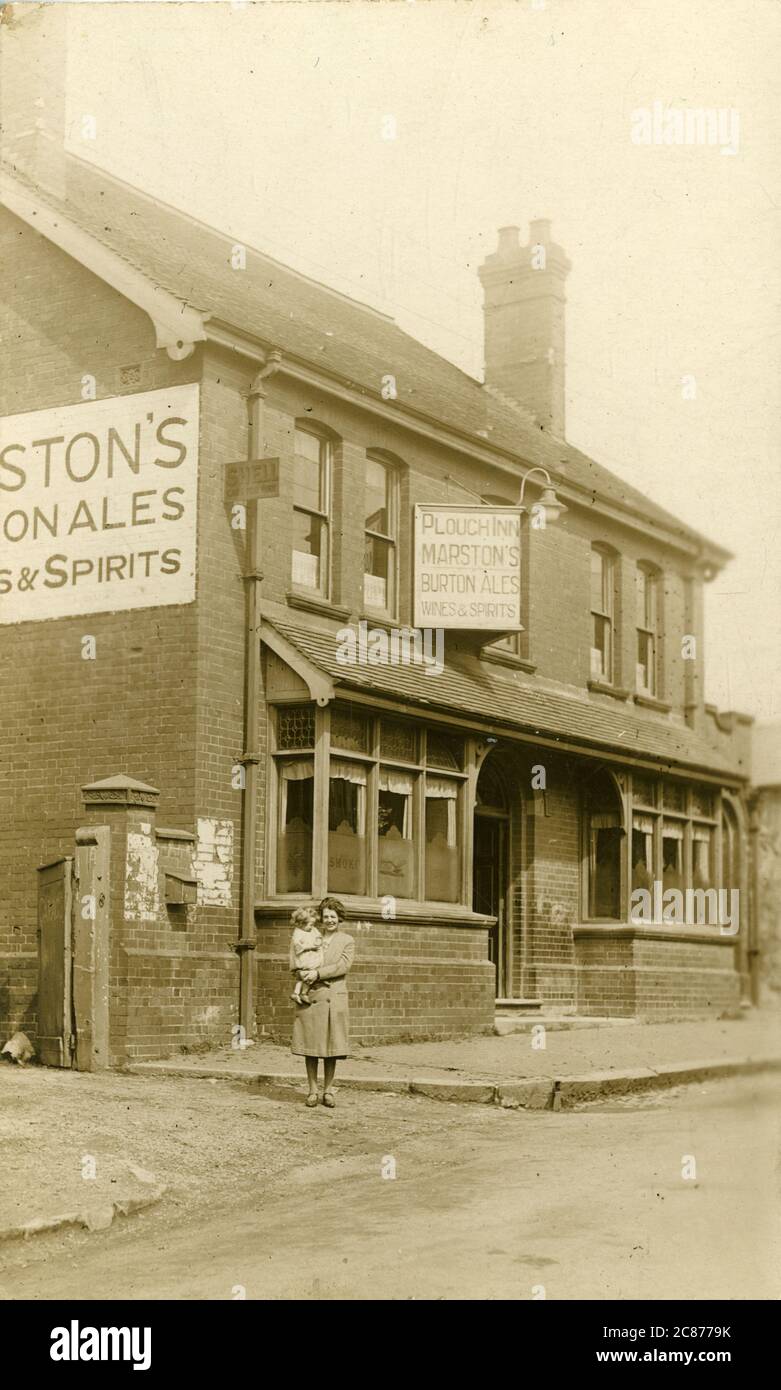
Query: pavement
{"points": [[548, 1069]]}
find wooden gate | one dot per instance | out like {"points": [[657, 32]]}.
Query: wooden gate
{"points": [[55, 956], [73, 937]]}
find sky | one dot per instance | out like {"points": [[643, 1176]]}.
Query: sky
{"points": [[271, 121]]}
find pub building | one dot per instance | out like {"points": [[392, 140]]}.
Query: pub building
{"points": [[279, 465]]}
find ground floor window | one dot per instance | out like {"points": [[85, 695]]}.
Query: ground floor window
{"points": [[604, 840], [296, 825], [385, 795], [674, 841], [675, 835], [442, 840], [642, 851], [703, 874], [672, 855], [396, 846], [347, 827]]}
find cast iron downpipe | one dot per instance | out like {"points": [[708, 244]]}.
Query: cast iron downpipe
{"points": [[253, 578]]}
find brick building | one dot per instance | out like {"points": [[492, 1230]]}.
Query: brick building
{"points": [[190, 698], [765, 859]]}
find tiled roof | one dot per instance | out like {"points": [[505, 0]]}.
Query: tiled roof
{"points": [[306, 320], [468, 686]]}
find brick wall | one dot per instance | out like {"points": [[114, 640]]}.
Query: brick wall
{"points": [[767, 848], [67, 721], [409, 980], [635, 974]]}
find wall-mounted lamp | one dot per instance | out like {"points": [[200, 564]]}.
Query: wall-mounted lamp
{"points": [[549, 501]]}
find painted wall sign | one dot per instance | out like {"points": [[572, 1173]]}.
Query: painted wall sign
{"points": [[98, 506], [468, 567]]}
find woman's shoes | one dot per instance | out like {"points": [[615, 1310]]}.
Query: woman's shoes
{"points": [[312, 1100], [329, 1099]]}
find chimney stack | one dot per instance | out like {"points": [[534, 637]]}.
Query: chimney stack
{"points": [[32, 92], [523, 288]]}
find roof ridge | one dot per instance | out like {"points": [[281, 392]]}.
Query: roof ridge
{"points": [[198, 222], [333, 332]]}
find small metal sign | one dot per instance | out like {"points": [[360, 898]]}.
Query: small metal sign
{"points": [[251, 480]]}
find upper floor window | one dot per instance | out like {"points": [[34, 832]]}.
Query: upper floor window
{"points": [[602, 615], [647, 678], [311, 511], [381, 535]]}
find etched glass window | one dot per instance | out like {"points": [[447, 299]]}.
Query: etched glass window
{"points": [[347, 827], [396, 856], [294, 838], [443, 859]]}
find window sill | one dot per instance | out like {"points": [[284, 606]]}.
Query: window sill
{"points": [[359, 909], [618, 692], [382, 620], [500, 658], [313, 603], [652, 931], [650, 702]]}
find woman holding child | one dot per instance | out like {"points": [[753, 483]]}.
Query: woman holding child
{"points": [[320, 1027]]}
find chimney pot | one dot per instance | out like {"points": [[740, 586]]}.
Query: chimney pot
{"points": [[509, 242], [539, 231]]}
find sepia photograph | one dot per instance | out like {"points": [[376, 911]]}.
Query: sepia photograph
{"points": [[390, 665]]}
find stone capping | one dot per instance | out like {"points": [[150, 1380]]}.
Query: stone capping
{"points": [[627, 931], [651, 702], [163, 833], [439, 915], [120, 791], [507, 658], [315, 603], [617, 692]]}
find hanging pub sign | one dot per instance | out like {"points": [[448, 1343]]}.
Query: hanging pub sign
{"points": [[98, 506], [468, 567]]}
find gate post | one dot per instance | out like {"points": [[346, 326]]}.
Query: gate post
{"points": [[126, 808]]}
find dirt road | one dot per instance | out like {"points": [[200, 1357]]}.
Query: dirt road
{"points": [[485, 1204]]}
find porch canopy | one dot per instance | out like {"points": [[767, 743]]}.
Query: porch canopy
{"points": [[505, 705]]}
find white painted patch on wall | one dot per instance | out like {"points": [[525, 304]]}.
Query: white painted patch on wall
{"points": [[142, 891], [210, 1014], [213, 862]]}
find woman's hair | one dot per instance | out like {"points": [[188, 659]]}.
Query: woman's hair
{"points": [[335, 906], [303, 917]]}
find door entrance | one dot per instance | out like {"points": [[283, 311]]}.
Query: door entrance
{"points": [[489, 890], [55, 963], [73, 973]]}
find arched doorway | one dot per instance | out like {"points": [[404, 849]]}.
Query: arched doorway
{"points": [[491, 843]]}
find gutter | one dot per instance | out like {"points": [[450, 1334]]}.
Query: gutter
{"points": [[178, 326], [250, 759]]}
